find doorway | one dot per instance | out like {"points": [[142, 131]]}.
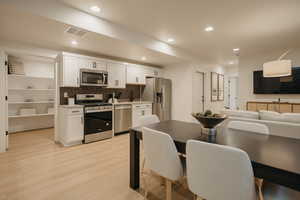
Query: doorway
{"points": [[198, 101], [3, 103], [27, 90], [233, 93]]}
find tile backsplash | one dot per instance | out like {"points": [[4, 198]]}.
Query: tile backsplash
{"points": [[131, 91]]}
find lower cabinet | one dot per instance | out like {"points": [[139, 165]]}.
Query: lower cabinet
{"points": [[71, 125], [140, 110], [273, 106]]}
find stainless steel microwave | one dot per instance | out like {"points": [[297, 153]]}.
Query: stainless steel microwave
{"points": [[92, 77]]}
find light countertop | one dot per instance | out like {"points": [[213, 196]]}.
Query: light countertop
{"points": [[133, 102], [71, 106]]}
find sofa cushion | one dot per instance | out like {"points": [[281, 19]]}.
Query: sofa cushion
{"points": [[270, 115], [241, 113], [291, 117]]}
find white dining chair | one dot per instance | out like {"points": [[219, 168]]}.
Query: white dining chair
{"points": [[250, 127], [162, 158], [148, 119], [216, 172]]}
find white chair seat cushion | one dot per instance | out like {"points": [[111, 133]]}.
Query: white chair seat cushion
{"points": [[270, 115], [291, 117], [248, 127], [241, 113]]}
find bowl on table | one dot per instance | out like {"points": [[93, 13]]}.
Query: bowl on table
{"points": [[209, 121]]}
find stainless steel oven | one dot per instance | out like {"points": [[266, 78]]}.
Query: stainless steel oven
{"points": [[92, 77], [97, 123], [97, 117]]}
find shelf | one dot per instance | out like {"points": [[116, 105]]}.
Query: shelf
{"points": [[33, 115], [29, 77], [24, 89], [34, 102]]}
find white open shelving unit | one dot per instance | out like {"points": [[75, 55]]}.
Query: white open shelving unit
{"points": [[33, 89]]}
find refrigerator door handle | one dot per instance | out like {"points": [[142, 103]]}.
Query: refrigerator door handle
{"points": [[162, 98]]}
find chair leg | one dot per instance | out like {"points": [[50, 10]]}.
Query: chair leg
{"points": [[168, 189], [196, 197], [259, 184], [146, 188]]}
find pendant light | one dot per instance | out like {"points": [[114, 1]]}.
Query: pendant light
{"points": [[278, 68]]}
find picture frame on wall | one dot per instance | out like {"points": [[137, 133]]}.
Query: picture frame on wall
{"points": [[217, 87], [220, 87], [214, 86]]}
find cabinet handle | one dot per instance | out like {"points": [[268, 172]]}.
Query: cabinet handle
{"points": [[137, 79], [75, 111], [143, 112], [94, 64], [81, 120]]}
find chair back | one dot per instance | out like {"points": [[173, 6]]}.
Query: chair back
{"points": [[216, 172], [248, 127], [148, 119], [161, 154]]}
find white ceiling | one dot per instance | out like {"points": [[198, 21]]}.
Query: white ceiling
{"points": [[253, 26], [34, 30]]}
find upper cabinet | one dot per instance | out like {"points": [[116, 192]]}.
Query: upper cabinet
{"points": [[89, 63], [69, 71], [119, 74], [153, 72], [116, 75], [135, 75]]}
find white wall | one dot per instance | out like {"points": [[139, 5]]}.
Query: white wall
{"points": [[181, 76], [182, 89], [230, 71], [248, 64]]}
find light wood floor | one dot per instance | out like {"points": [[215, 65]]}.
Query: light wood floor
{"points": [[35, 168]]}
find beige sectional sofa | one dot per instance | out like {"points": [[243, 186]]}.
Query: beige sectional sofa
{"points": [[280, 124]]}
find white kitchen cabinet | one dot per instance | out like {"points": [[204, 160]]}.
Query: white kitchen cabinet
{"points": [[101, 65], [116, 75], [89, 63], [135, 74], [71, 125], [138, 111], [152, 72], [69, 71]]}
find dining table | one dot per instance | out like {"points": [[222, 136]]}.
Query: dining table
{"points": [[273, 158]]}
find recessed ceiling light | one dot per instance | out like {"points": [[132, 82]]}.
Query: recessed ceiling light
{"points": [[236, 49], [231, 63], [95, 9], [209, 29], [74, 42], [171, 40], [144, 58]]}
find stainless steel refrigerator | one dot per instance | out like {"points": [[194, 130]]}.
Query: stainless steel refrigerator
{"points": [[159, 91]]}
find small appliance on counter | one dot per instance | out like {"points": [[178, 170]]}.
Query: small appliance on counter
{"points": [[113, 98], [71, 101], [97, 117]]}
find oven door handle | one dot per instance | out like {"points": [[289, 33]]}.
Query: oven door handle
{"points": [[96, 111]]}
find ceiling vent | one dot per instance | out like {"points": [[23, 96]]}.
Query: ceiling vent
{"points": [[76, 31]]}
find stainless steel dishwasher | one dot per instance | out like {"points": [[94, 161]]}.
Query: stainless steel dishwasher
{"points": [[122, 118]]}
